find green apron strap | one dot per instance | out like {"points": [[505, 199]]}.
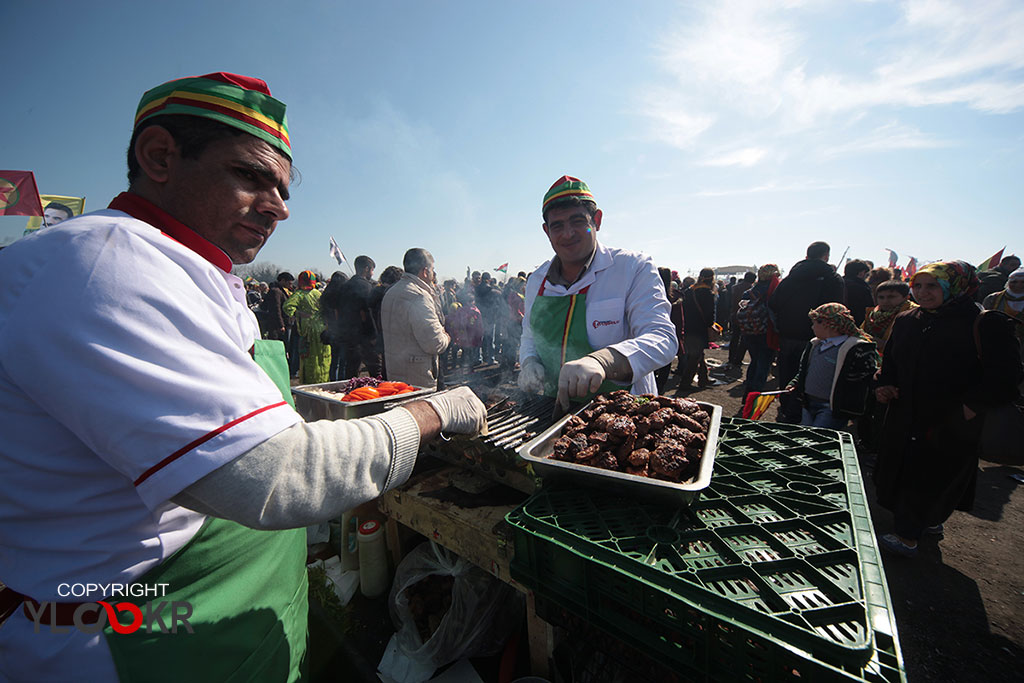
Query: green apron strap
{"points": [[269, 355], [247, 594], [559, 325]]}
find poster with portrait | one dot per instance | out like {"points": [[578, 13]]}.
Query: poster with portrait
{"points": [[56, 209]]}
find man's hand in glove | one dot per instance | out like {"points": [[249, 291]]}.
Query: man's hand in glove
{"points": [[461, 412], [584, 376], [531, 376]]}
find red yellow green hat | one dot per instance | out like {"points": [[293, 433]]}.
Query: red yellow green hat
{"points": [[239, 101], [564, 188]]}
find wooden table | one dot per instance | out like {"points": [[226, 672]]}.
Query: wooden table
{"points": [[475, 532]]}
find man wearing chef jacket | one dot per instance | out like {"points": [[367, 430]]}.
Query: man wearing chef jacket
{"points": [[155, 480], [596, 317]]}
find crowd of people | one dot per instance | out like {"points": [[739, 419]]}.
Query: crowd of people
{"points": [[333, 330]]}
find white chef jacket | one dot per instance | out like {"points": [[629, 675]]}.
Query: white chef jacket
{"points": [[627, 310], [125, 376]]}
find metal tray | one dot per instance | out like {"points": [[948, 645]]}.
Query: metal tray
{"points": [[312, 406], [536, 453]]}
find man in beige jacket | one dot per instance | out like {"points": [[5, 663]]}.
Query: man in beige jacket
{"points": [[413, 324]]}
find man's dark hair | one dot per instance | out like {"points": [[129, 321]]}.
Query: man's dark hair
{"points": [[749, 276], [894, 286], [285, 276], [855, 267], [391, 275], [193, 134], [818, 250], [522, 274], [589, 205], [416, 259], [485, 277], [61, 207], [476, 273], [363, 262], [1008, 264]]}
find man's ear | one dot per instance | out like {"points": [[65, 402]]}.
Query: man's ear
{"points": [[155, 150], [598, 215]]}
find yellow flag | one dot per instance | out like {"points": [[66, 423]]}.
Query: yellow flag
{"points": [[55, 210]]}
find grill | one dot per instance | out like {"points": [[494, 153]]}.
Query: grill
{"points": [[510, 424]]}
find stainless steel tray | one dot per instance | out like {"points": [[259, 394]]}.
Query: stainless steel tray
{"points": [[312, 406], [536, 453]]}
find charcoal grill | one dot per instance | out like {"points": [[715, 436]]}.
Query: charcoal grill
{"points": [[511, 423]]}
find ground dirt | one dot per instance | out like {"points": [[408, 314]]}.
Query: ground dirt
{"points": [[960, 603]]}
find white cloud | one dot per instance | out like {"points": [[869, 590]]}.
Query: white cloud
{"points": [[675, 122], [774, 186], [747, 156], [888, 137], [786, 68]]}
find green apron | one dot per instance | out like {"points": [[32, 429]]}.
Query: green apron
{"points": [[247, 594], [559, 325]]}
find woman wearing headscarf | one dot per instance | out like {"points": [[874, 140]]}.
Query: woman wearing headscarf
{"points": [[698, 316], [763, 345], [940, 373], [314, 354]]}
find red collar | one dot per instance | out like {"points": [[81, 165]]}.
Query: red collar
{"points": [[143, 209]]}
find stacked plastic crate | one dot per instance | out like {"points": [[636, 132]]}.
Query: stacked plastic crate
{"points": [[772, 574]]}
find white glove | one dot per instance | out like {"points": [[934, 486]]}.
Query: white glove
{"points": [[579, 378], [461, 412], [531, 376]]}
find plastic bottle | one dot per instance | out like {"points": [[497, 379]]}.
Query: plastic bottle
{"points": [[348, 549], [373, 559]]}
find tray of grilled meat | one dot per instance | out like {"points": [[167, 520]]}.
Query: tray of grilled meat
{"points": [[656, 447]]}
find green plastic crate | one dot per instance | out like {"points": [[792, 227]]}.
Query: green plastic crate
{"points": [[773, 574]]}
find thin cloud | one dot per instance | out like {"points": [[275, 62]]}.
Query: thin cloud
{"points": [[892, 136], [746, 157], [800, 186], [763, 64]]}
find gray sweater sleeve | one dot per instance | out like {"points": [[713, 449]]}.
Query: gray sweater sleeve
{"points": [[310, 472]]}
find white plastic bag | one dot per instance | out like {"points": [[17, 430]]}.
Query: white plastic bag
{"points": [[483, 612]]}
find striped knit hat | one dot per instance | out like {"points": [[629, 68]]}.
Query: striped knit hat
{"points": [[565, 188], [239, 101]]}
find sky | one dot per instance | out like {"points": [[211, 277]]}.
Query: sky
{"points": [[711, 133]]}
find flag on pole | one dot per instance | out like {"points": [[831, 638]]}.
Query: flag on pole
{"points": [[55, 210], [911, 267], [988, 264], [336, 252], [893, 258], [757, 403], [19, 195], [503, 268]]}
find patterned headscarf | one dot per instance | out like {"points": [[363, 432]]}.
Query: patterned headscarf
{"points": [[957, 278], [307, 279], [766, 272], [838, 317]]}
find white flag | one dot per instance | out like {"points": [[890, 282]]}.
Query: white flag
{"points": [[336, 252]]}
